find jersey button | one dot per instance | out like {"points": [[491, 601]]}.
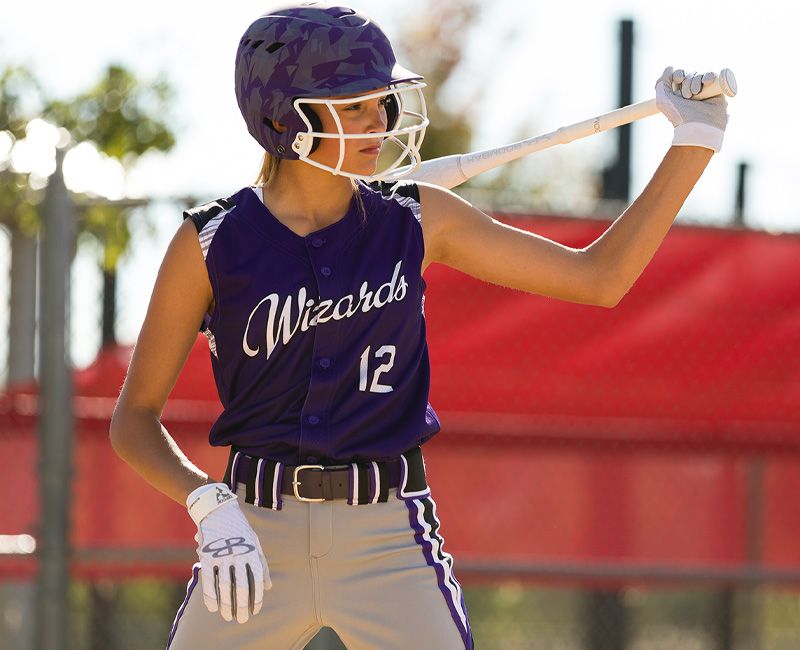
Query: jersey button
{"points": [[317, 242], [326, 271], [325, 363], [313, 419]]}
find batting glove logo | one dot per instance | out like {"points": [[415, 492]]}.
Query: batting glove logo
{"points": [[226, 547], [224, 495]]}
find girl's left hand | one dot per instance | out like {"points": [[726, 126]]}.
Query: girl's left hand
{"points": [[698, 123]]}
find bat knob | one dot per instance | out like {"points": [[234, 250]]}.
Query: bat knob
{"points": [[727, 82], [724, 84]]}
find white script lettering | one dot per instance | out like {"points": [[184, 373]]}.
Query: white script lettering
{"points": [[282, 323]]}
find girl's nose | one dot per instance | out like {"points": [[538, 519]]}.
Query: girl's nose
{"points": [[378, 118]]}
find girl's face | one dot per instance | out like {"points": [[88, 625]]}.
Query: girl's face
{"points": [[364, 116]]}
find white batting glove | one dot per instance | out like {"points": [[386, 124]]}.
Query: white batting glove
{"points": [[698, 123], [233, 566]]}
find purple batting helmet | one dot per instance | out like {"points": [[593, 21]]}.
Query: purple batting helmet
{"points": [[311, 51]]}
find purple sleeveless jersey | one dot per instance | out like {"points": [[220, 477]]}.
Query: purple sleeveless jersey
{"points": [[318, 343]]}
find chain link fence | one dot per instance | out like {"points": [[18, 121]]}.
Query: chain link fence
{"points": [[586, 505], [138, 614]]}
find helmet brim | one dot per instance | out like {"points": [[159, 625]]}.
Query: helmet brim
{"points": [[401, 74]]}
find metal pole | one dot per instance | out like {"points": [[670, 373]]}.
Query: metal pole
{"points": [[109, 306], [741, 193], [723, 621], [55, 414], [751, 607], [22, 307], [617, 176]]}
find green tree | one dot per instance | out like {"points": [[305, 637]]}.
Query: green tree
{"points": [[21, 97], [123, 117], [433, 44]]}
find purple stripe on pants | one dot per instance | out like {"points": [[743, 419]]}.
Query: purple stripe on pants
{"points": [[425, 538], [189, 588]]}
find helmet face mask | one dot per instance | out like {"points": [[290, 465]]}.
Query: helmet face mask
{"points": [[407, 139], [308, 55]]}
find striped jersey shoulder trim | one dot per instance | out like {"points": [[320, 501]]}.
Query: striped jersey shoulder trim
{"points": [[202, 214], [207, 219], [406, 193]]}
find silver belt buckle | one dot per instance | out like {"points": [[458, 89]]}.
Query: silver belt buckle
{"points": [[295, 482]]}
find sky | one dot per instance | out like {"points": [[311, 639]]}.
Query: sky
{"points": [[530, 68]]}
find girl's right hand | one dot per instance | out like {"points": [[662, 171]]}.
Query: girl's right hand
{"points": [[234, 570]]}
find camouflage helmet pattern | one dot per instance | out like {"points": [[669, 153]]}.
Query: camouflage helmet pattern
{"points": [[307, 50]]}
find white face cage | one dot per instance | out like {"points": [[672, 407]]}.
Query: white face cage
{"points": [[413, 133]]}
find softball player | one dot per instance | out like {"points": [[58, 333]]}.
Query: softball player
{"points": [[309, 288]]}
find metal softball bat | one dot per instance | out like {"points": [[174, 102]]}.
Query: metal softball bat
{"points": [[450, 171]]}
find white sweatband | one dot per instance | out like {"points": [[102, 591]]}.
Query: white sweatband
{"points": [[697, 134], [206, 499]]}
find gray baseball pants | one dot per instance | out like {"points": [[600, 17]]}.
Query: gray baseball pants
{"points": [[377, 574]]}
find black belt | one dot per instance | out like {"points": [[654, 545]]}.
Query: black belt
{"points": [[361, 483]]}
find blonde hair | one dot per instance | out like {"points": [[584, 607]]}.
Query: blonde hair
{"points": [[269, 168]]}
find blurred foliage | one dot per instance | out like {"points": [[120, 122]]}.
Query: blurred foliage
{"points": [[122, 116], [18, 86], [508, 615], [21, 97], [107, 225], [434, 46]]}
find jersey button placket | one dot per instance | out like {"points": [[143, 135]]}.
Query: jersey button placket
{"points": [[316, 430]]}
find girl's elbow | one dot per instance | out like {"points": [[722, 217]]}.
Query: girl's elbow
{"points": [[610, 298], [609, 302], [118, 431], [610, 292], [116, 434]]}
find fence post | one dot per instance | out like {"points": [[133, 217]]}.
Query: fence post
{"points": [[751, 606], [55, 414]]}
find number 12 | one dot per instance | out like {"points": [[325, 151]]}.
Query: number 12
{"points": [[375, 386]]}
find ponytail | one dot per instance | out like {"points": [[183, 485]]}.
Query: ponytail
{"points": [[269, 167]]}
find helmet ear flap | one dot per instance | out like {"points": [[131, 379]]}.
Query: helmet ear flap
{"points": [[316, 124]]}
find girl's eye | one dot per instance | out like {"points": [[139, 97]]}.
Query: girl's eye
{"points": [[352, 107]]}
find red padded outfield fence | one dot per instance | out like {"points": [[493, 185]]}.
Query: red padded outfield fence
{"points": [[658, 440]]}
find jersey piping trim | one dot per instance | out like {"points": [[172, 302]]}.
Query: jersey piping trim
{"points": [[212, 341], [408, 202], [209, 230]]}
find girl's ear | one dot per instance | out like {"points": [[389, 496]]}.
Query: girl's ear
{"points": [[275, 125]]}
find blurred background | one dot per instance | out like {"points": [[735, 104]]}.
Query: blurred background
{"points": [[607, 479]]}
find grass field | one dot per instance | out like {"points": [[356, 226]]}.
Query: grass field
{"points": [[137, 615]]}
